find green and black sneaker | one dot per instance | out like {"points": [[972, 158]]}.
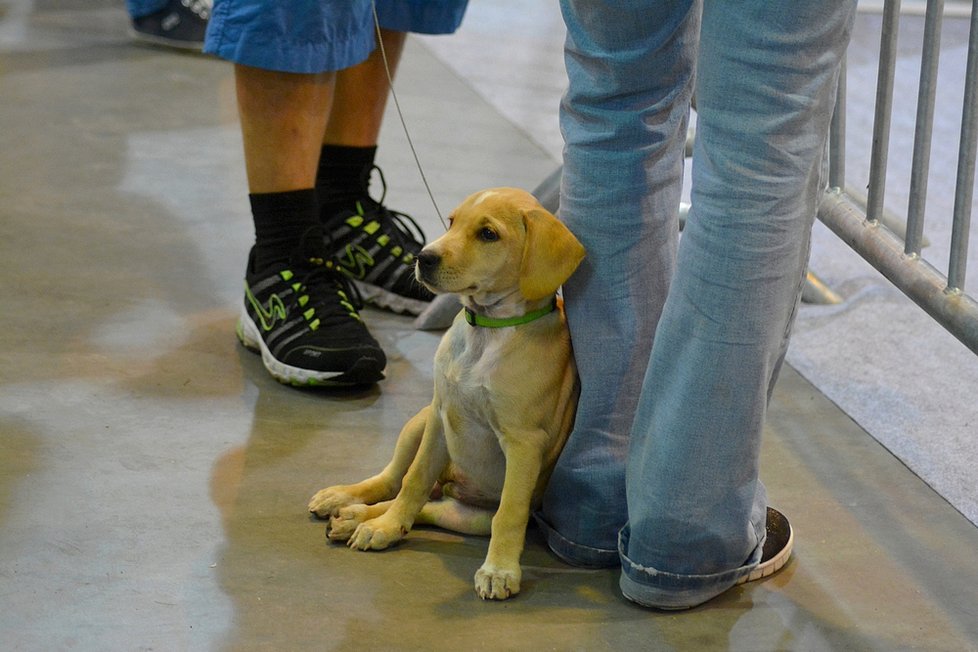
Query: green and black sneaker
{"points": [[303, 318], [376, 248]]}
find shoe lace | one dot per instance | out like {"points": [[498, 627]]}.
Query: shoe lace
{"points": [[322, 274], [328, 293], [406, 233]]}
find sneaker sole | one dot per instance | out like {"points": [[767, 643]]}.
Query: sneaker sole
{"points": [[177, 44], [765, 569], [774, 564], [363, 372], [378, 296]]}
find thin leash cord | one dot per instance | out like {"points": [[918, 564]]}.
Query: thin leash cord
{"points": [[400, 114]]}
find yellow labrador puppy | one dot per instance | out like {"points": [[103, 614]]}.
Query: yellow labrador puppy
{"points": [[505, 392]]}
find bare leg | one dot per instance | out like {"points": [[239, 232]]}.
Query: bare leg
{"points": [[283, 118], [361, 97]]}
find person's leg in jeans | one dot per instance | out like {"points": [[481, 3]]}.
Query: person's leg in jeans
{"points": [[624, 122], [765, 91], [765, 97]]}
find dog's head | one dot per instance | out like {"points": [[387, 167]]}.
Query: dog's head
{"points": [[500, 241]]}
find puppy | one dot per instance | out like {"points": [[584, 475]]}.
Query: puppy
{"points": [[505, 392]]}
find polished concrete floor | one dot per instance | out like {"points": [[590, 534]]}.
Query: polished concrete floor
{"points": [[153, 477]]}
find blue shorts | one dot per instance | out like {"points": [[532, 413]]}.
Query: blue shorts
{"points": [[311, 36]]}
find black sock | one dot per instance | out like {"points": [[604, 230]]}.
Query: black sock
{"points": [[343, 177], [281, 221]]}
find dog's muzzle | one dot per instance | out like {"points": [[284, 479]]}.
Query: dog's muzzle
{"points": [[427, 264]]}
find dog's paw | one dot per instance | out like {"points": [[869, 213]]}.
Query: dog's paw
{"points": [[342, 526], [377, 534], [492, 583], [328, 502]]}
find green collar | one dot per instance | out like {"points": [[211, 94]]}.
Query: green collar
{"points": [[490, 322]]}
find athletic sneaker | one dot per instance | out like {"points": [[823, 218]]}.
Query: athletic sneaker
{"points": [[180, 24], [376, 248], [302, 317], [778, 545]]}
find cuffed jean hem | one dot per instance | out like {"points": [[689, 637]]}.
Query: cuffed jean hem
{"points": [[660, 590], [575, 554]]}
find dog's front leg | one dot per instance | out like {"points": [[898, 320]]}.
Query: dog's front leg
{"points": [[396, 522], [500, 574], [329, 502]]}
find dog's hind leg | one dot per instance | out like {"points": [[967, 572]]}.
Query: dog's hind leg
{"points": [[450, 514], [383, 486]]}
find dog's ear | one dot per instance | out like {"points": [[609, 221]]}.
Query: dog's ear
{"points": [[550, 255]]}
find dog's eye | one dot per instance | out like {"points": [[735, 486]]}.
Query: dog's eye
{"points": [[487, 235]]}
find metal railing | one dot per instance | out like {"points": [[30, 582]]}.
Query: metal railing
{"points": [[863, 227]]}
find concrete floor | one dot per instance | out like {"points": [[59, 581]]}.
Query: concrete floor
{"points": [[153, 477]]}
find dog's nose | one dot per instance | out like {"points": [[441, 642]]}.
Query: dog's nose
{"points": [[427, 261]]}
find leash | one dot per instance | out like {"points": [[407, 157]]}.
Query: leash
{"points": [[400, 114]]}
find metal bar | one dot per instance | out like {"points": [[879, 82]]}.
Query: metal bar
{"points": [[914, 8], [889, 218], [924, 128], [916, 278], [884, 104], [837, 134], [964, 190]]}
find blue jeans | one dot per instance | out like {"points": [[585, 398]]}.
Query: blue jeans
{"points": [[313, 36], [678, 343]]}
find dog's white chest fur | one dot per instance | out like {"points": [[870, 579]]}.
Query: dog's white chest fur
{"points": [[465, 372], [468, 356]]}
